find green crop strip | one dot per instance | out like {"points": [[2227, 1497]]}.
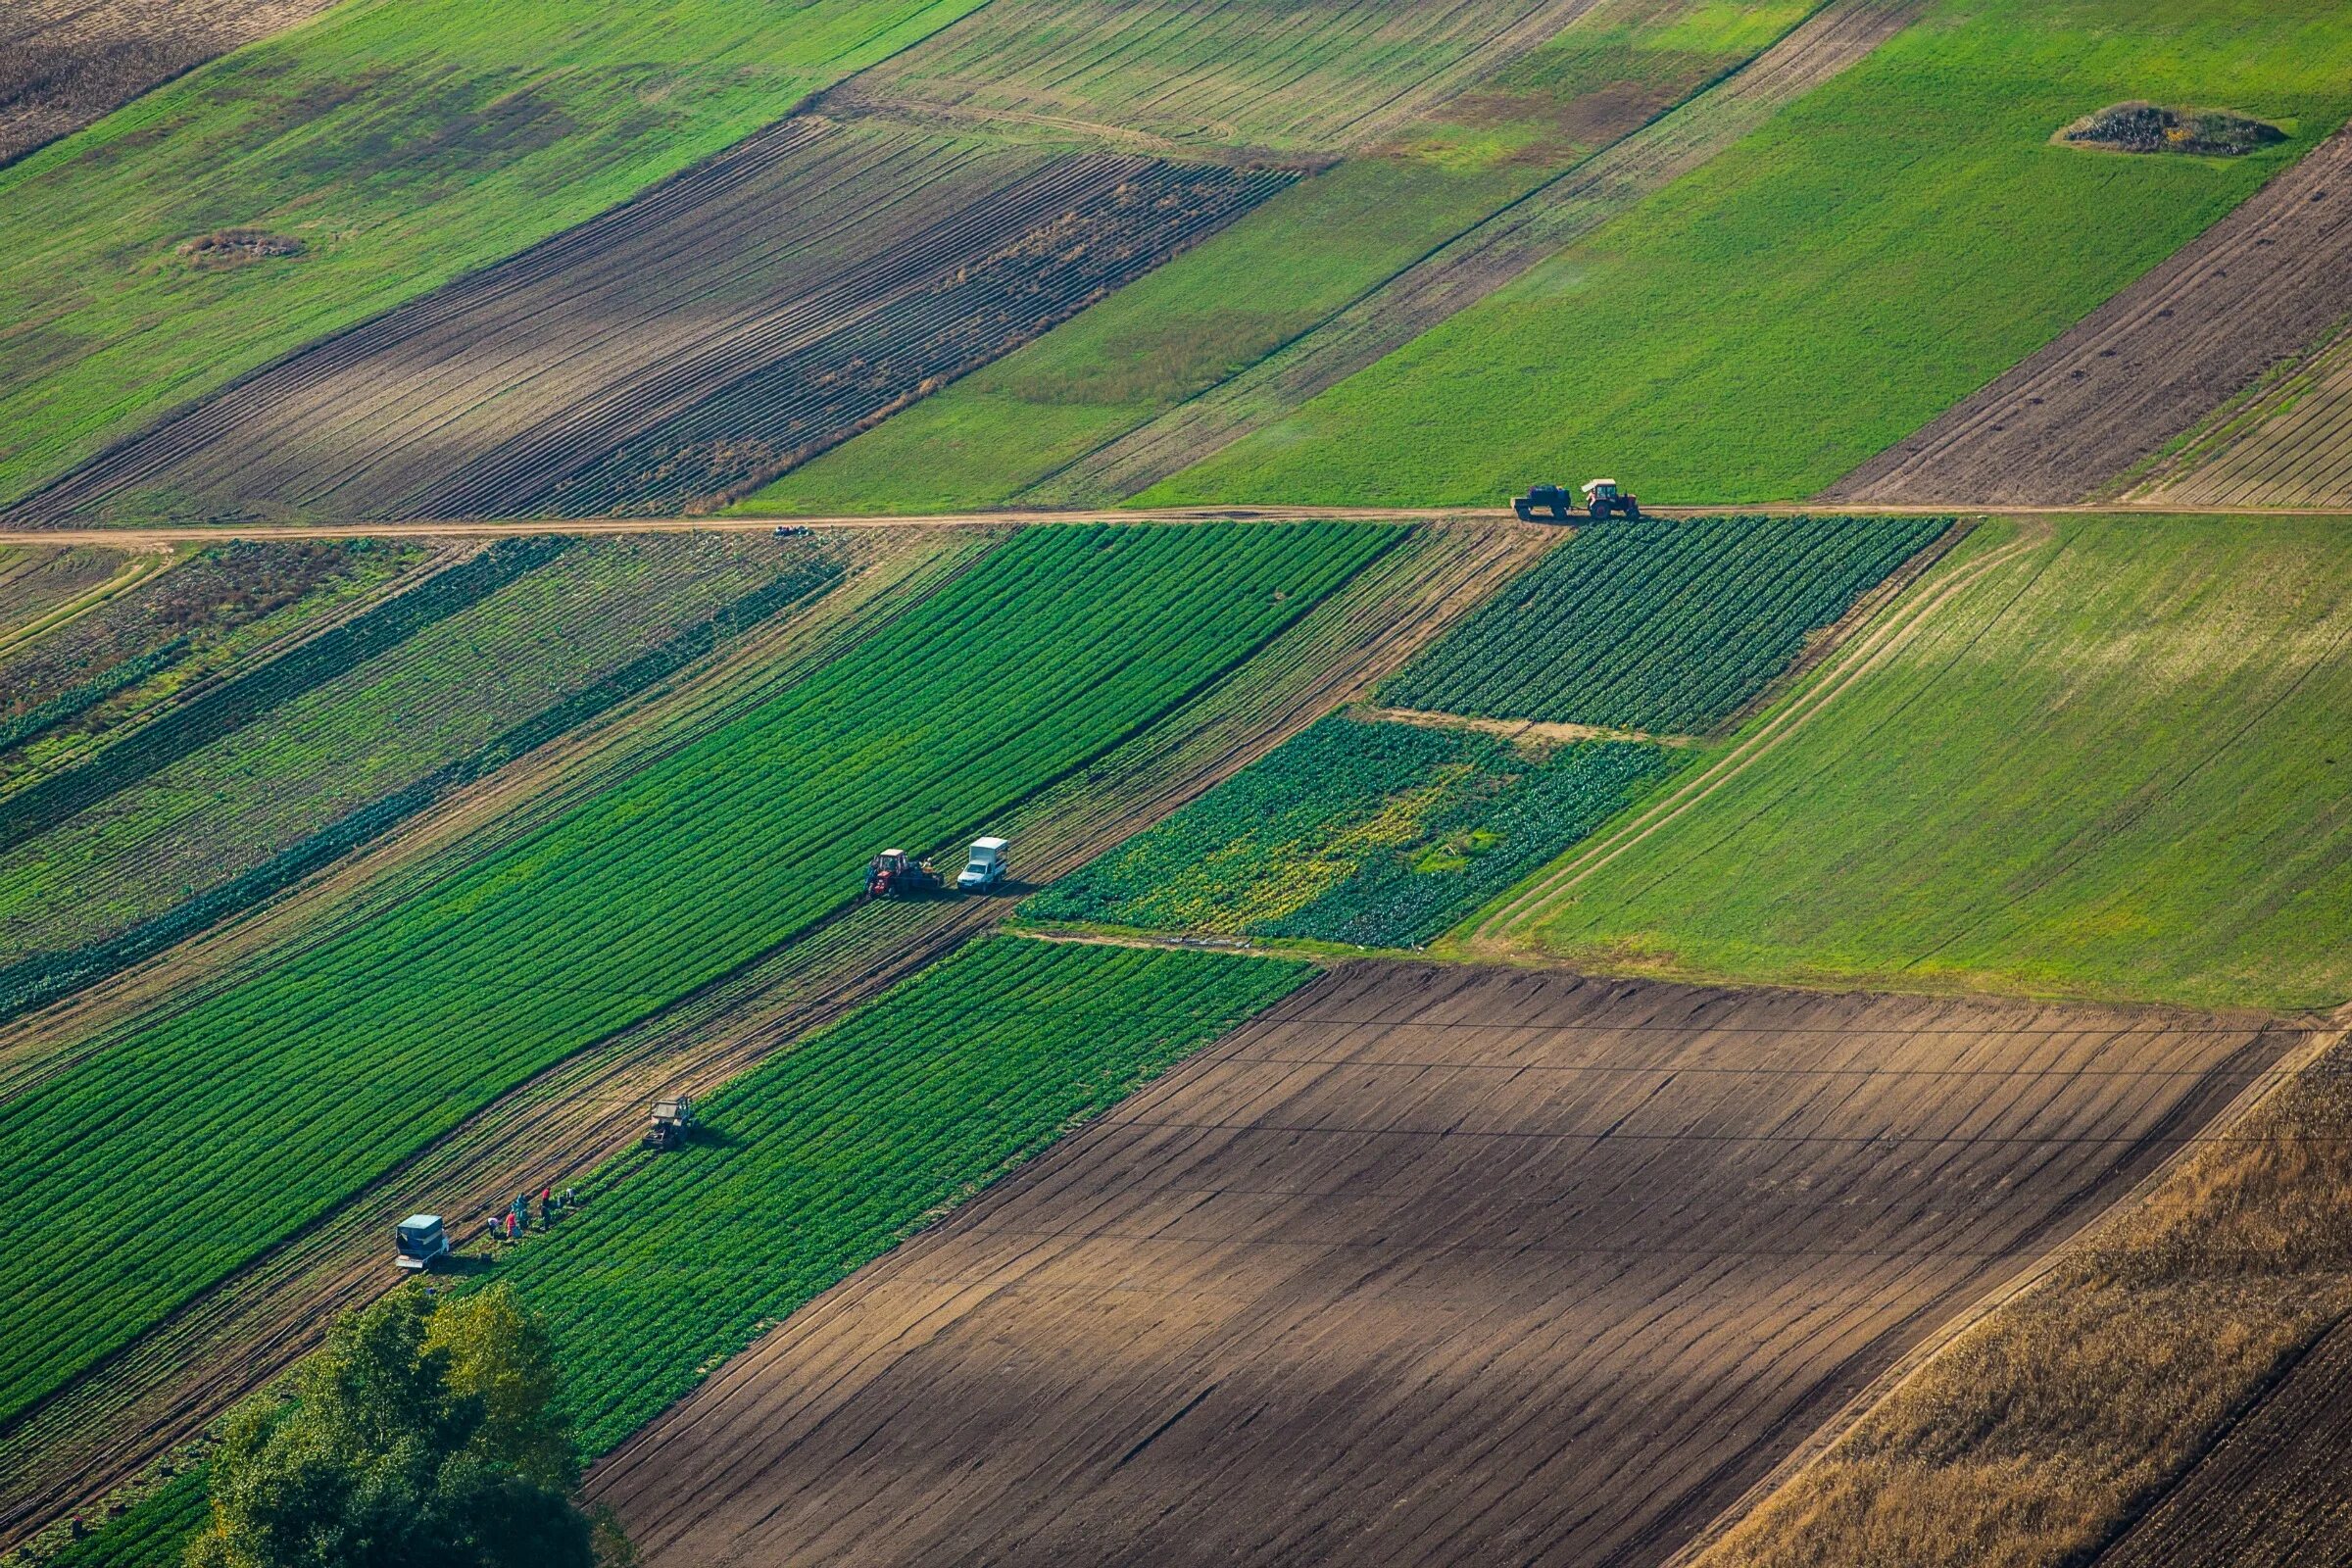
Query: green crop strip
{"points": [[153, 1533], [1665, 627], [251, 1112], [1379, 835], [46, 976], [205, 720], [75, 701], [823, 1159]]}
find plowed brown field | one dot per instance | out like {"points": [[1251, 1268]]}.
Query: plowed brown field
{"points": [[64, 63], [1430, 1265], [2256, 290], [762, 305]]}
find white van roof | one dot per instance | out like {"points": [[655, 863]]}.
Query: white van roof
{"points": [[999, 845]]}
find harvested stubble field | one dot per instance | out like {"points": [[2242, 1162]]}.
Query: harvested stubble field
{"points": [[377, 1042], [1333, 273], [231, 1339], [761, 307], [1837, 280], [1429, 1264], [2223, 314], [64, 63], [143, 857]]}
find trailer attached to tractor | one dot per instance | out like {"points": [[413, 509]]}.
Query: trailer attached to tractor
{"points": [[1550, 503]]}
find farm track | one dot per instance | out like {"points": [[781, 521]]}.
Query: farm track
{"points": [[2271, 1494], [1430, 1264], [764, 304], [66, 63], [85, 590], [108, 1424], [2257, 290], [1485, 257]]}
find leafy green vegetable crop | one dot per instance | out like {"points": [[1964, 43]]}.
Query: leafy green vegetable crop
{"points": [[828, 1156], [1380, 835], [254, 1111], [1665, 627]]}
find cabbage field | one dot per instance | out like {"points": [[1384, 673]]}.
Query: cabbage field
{"points": [[1657, 626], [255, 1109], [1376, 834]]}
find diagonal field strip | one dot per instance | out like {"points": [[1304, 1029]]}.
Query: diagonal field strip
{"points": [[1482, 260], [232, 1339], [2255, 290], [1380, 1288]]}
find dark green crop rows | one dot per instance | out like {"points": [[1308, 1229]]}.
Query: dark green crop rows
{"points": [[1663, 627], [1380, 835], [825, 1157], [253, 1112]]}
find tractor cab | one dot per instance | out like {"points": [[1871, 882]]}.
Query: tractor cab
{"points": [[985, 866], [1603, 499], [418, 1241]]}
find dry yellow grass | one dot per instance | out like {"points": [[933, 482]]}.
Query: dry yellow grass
{"points": [[2042, 1430]]}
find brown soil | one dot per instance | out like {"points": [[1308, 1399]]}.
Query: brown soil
{"points": [[106, 1427], [64, 63], [1429, 1265], [1525, 731], [236, 247], [2257, 289]]}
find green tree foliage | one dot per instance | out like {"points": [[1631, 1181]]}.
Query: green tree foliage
{"points": [[421, 1435]]}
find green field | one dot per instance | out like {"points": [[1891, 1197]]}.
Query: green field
{"points": [[1372, 834], [827, 1156], [2114, 765], [371, 1046], [1285, 267], [1875, 253], [403, 142], [1656, 626]]}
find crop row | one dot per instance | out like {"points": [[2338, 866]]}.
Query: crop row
{"points": [[1379, 835], [205, 720], [212, 605], [371, 732], [1658, 626], [835, 1151], [43, 978], [254, 1111]]}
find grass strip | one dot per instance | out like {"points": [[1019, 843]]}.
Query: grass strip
{"points": [[44, 977], [230, 707], [75, 701]]}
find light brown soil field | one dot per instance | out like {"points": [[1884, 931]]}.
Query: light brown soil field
{"points": [[2255, 291], [1482, 259], [2290, 443], [1430, 1264], [36, 580], [764, 304], [64, 63], [103, 1429], [2273, 1493]]}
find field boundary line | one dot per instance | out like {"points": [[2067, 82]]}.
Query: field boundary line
{"points": [[141, 562]]}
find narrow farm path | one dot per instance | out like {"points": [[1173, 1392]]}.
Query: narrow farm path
{"points": [[107, 1425]]}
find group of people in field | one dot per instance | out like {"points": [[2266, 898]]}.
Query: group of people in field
{"points": [[511, 1226]]}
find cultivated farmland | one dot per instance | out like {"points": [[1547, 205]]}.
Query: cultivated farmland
{"points": [[236, 1337], [2089, 757], [64, 63], [1662, 627], [1375, 834], [35, 582], [141, 857], [2220, 316], [1428, 1265], [374, 1044], [1844, 275]]}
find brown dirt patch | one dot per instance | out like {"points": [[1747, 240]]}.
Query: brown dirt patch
{"points": [[1430, 1265]]}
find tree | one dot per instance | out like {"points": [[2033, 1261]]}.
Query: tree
{"points": [[421, 1435]]}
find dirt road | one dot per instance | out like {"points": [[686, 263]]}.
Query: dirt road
{"points": [[1430, 1264]]}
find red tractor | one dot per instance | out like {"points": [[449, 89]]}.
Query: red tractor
{"points": [[896, 874]]}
